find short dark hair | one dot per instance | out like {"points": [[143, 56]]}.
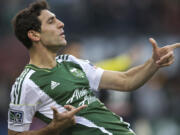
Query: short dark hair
{"points": [[27, 19]]}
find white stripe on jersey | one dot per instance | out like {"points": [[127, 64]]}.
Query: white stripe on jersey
{"points": [[88, 123], [17, 86]]}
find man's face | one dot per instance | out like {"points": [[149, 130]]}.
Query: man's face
{"points": [[52, 33]]}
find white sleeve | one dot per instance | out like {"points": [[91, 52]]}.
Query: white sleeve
{"points": [[22, 107], [92, 72]]}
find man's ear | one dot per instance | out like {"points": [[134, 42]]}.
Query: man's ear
{"points": [[33, 35]]}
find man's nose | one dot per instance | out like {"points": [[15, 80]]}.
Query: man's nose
{"points": [[60, 24]]}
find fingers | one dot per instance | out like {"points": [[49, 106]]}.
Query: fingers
{"points": [[76, 110], [166, 58], [69, 107], [174, 46], [154, 44], [55, 111], [72, 110], [168, 64]]}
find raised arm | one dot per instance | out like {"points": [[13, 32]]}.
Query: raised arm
{"points": [[137, 76], [60, 122]]}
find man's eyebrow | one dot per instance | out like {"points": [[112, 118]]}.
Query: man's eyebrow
{"points": [[51, 17]]}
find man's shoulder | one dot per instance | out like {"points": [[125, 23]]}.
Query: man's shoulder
{"points": [[21, 85], [24, 76]]}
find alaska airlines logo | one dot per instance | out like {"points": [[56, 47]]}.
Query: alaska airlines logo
{"points": [[77, 72], [81, 93]]}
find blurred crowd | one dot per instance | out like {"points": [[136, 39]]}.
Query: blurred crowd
{"points": [[107, 29], [99, 16]]}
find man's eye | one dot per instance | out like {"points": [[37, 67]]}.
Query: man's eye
{"points": [[50, 21]]}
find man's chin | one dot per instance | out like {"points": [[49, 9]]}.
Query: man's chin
{"points": [[63, 43]]}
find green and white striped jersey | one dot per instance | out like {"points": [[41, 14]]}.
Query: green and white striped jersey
{"points": [[72, 82]]}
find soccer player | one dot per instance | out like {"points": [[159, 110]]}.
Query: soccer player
{"points": [[50, 86]]}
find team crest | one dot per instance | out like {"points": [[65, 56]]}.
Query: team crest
{"points": [[77, 72]]}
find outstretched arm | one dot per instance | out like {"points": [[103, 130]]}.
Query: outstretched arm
{"points": [[137, 76], [60, 122]]}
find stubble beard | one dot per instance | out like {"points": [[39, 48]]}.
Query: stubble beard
{"points": [[56, 48]]}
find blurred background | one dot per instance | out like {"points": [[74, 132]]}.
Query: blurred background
{"points": [[112, 34]]}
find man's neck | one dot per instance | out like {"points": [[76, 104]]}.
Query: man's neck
{"points": [[42, 57]]}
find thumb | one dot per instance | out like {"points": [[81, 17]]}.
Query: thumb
{"points": [[76, 110], [69, 107], [154, 44], [55, 112]]}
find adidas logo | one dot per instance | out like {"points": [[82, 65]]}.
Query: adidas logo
{"points": [[54, 84]]}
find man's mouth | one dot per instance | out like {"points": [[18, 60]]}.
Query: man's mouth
{"points": [[62, 34]]}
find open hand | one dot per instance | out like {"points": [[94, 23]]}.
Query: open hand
{"points": [[163, 56]]}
